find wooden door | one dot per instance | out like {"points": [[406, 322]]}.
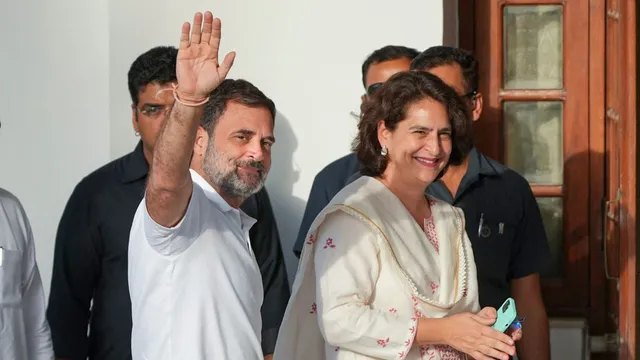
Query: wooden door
{"points": [[619, 237], [593, 207], [534, 73]]}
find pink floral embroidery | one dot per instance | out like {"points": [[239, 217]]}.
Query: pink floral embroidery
{"points": [[329, 243], [311, 240], [337, 348], [416, 316], [415, 300], [428, 351], [430, 231], [448, 353], [314, 308], [412, 330], [401, 354], [383, 342], [464, 292], [434, 286], [432, 202], [393, 310]]}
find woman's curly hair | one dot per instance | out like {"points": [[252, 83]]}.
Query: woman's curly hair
{"points": [[390, 103]]}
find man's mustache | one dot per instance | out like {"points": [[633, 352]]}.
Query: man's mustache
{"points": [[258, 165]]}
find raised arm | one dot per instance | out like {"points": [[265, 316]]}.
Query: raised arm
{"points": [[198, 74]]}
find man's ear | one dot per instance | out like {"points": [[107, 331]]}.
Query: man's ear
{"points": [[477, 108], [201, 143], [134, 118]]}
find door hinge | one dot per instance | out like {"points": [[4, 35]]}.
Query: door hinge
{"points": [[613, 115], [609, 215], [614, 14], [606, 343]]}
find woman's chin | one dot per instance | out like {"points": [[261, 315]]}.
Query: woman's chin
{"points": [[428, 176]]}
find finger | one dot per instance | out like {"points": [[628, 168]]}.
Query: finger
{"points": [[498, 336], [516, 335], [483, 320], [208, 26], [226, 65], [499, 345], [488, 312], [184, 36], [493, 353], [216, 34], [197, 28]]}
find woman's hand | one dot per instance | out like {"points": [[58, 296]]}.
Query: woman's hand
{"points": [[515, 330], [473, 335]]}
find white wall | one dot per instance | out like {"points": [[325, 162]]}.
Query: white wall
{"points": [[54, 106], [305, 55], [65, 108]]}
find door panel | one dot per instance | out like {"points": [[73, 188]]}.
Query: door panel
{"points": [[536, 121]]}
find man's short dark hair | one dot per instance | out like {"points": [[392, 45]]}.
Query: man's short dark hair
{"points": [[390, 103], [157, 65], [239, 91], [387, 53], [448, 55]]}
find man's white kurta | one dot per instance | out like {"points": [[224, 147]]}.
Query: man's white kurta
{"points": [[196, 289], [24, 332]]}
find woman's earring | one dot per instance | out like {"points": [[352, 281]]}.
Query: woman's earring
{"points": [[384, 151], [137, 133]]}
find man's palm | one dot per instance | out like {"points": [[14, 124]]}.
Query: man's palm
{"points": [[198, 70]]}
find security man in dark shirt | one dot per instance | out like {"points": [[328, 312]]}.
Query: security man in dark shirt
{"points": [[89, 288], [376, 69]]}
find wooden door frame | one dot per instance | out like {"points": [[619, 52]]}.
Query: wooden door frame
{"points": [[628, 182], [598, 319]]}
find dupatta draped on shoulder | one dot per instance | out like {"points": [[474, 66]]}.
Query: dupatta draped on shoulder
{"points": [[420, 272]]}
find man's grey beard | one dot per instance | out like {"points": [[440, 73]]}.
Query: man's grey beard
{"points": [[228, 180]]}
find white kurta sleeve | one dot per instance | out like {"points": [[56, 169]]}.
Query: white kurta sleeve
{"points": [[38, 336], [347, 267]]}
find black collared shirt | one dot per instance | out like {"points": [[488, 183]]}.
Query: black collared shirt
{"points": [[90, 264], [512, 242]]}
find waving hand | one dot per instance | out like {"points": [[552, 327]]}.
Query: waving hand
{"points": [[198, 69]]}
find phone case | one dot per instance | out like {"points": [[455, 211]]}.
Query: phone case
{"points": [[507, 314]]}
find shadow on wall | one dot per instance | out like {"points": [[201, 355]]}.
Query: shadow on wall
{"points": [[283, 175], [450, 22]]}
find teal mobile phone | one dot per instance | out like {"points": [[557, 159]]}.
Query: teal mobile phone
{"points": [[507, 314]]}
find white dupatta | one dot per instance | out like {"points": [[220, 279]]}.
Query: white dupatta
{"points": [[408, 255]]}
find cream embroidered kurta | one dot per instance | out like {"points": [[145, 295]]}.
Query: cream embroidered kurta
{"points": [[367, 273]]}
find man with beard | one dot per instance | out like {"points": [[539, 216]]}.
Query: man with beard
{"points": [[195, 287], [89, 289]]}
